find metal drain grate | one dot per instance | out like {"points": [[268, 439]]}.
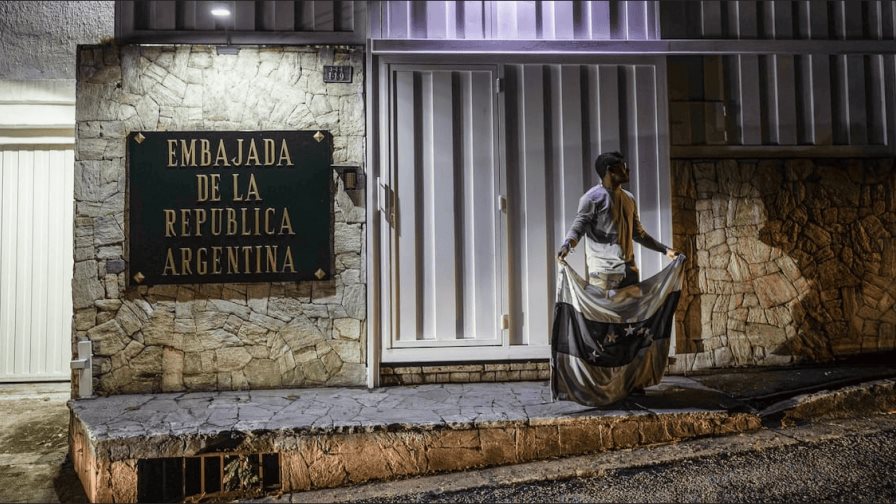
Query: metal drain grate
{"points": [[218, 475]]}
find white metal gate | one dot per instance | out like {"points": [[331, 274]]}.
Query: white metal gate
{"points": [[445, 246], [559, 119], [36, 198], [485, 165]]}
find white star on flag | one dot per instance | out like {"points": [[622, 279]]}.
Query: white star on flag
{"points": [[629, 330], [611, 336]]}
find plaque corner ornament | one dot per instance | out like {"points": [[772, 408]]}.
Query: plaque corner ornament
{"points": [[318, 136], [139, 138], [320, 274]]}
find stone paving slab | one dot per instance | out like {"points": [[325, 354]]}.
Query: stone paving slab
{"points": [[351, 410]]}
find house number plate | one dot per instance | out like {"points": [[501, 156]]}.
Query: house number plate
{"points": [[337, 74]]}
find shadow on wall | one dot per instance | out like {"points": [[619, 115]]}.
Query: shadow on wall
{"points": [[792, 261]]}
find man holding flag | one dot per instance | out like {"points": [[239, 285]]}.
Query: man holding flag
{"points": [[611, 333]]}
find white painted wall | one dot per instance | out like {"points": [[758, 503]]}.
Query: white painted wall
{"points": [[36, 187], [38, 41]]}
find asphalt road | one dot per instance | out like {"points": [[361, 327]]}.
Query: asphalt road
{"points": [[855, 468]]}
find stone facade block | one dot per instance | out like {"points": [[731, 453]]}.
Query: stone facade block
{"points": [[790, 260], [464, 373], [212, 336]]}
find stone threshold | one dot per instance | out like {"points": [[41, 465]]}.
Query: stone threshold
{"points": [[332, 437]]}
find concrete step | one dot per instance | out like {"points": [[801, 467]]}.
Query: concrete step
{"points": [[332, 437]]}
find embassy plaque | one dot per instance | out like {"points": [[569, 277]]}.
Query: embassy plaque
{"points": [[217, 207]]}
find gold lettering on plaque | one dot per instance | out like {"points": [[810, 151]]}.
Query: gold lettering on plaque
{"points": [[284, 155], [188, 154], [170, 218], [201, 255], [221, 156], [271, 259], [186, 255], [217, 221], [208, 187], [252, 158], [268, 212], [200, 217], [231, 222], [246, 231], [172, 157], [205, 152], [216, 260], [185, 222], [169, 264], [233, 258], [287, 260], [252, 192], [246, 252], [286, 223], [269, 148], [236, 189], [238, 161]]}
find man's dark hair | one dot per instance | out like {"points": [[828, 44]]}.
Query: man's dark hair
{"points": [[606, 160]]}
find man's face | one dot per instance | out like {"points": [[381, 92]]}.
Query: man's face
{"points": [[619, 172]]}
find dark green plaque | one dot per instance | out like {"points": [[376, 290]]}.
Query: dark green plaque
{"points": [[229, 206]]}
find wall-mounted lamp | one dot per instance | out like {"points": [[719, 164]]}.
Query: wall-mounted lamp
{"points": [[223, 13], [353, 182]]}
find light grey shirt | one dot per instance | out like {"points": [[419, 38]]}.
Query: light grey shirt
{"points": [[609, 221]]}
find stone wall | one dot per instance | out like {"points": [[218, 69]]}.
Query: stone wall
{"points": [[400, 374], [212, 336], [790, 261]]}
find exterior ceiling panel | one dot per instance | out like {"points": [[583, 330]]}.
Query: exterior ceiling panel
{"points": [[259, 22], [519, 20]]}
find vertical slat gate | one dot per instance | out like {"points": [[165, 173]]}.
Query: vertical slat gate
{"points": [[524, 20], [560, 118], [652, 174], [534, 247], [446, 240], [787, 100], [777, 19], [407, 267], [36, 194]]}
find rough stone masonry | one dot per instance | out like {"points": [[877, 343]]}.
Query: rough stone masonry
{"points": [[791, 260], [212, 336]]}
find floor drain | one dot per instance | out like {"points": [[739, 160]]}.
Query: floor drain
{"points": [[219, 475]]}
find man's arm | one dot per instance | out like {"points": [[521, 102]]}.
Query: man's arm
{"points": [[641, 236], [584, 216]]}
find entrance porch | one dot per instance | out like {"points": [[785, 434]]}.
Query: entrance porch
{"points": [[163, 447]]}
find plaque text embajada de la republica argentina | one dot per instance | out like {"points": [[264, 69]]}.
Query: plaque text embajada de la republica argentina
{"points": [[229, 206]]}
